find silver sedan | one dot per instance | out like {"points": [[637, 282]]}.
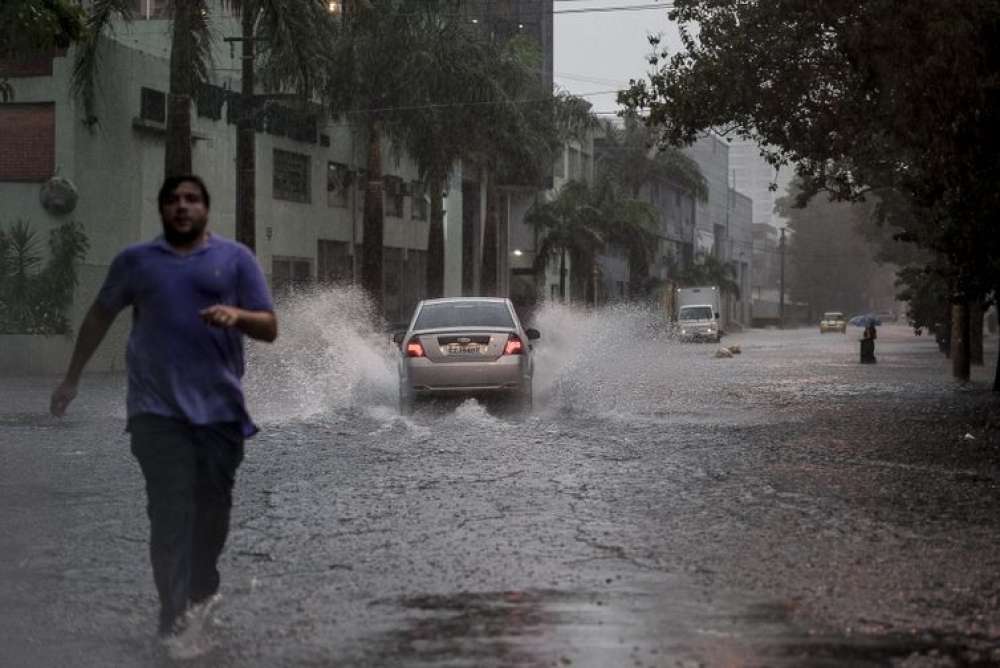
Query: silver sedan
{"points": [[465, 346]]}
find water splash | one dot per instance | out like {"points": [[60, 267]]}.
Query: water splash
{"points": [[597, 360], [327, 358]]}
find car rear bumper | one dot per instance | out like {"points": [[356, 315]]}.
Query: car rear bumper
{"points": [[507, 374]]}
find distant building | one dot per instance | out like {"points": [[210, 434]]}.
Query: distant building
{"points": [[723, 224], [765, 293], [511, 18], [753, 176]]}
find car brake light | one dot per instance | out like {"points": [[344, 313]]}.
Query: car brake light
{"points": [[414, 349], [514, 346]]}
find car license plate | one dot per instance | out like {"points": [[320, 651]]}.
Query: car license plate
{"points": [[466, 349]]}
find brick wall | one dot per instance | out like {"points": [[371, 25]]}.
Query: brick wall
{"points": [[38, 64], [27, 141]]}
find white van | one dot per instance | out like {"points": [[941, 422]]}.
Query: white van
{"points": [[698, 314]]}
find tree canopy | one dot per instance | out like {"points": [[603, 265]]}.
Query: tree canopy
{"points": [[30, 26], [860, 95]]}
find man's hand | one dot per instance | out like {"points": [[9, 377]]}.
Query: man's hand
{"points": [[260, 325], [61, 398], [221, 315]]}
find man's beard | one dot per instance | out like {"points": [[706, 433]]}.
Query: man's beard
{"points": [[178, 238]]}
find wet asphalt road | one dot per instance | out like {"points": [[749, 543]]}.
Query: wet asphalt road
{"points": [[787, 507]]}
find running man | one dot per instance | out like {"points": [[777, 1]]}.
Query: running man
{"points": [[194, 295]]}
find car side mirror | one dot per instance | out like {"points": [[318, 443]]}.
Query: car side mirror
{"points": [[533, 334], [716, 315], [397, 338]]}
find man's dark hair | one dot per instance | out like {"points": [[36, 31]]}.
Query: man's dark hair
{"points": [[170, 185]]}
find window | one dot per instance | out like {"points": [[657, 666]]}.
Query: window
{"points": [[333, 262], [27, 142], [394, 193], [585, 160], [289, 274], [152, 105], [31, 64], [420, 206], [291, 176], [338, 184]]}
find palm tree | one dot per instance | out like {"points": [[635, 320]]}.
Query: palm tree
{"points": [[367, 81], [712, 271], [569, 226], [294, 34], [521, 135], [28, 27], [631, 153], [584, 221], [453, 68], [456, 95], [632, 156], [289, 41]]}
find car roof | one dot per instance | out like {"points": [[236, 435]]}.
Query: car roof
{"points": [[453, 300]]}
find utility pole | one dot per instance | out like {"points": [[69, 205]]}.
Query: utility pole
{"points": [[246, 137], [246, 140], [781, 286]]}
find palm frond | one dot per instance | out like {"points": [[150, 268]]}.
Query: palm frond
{"points": [[88, 57]]}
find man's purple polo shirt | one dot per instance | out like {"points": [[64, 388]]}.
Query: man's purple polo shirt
{"points": [[178, 365]]}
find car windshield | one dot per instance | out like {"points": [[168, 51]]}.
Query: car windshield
{"points": [[833, 316], [696, 313], [464, 314]]}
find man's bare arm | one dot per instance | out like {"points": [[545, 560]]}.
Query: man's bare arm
{"points": [[92, 331], [260, 325]]}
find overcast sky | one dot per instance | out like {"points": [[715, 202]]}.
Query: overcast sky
{"points": [[601, 51]]}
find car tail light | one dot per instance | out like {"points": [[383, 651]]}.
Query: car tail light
{"points": [[514, 346], [414, 349]]}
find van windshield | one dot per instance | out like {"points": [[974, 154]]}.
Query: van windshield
{"points": [[696, 313]]}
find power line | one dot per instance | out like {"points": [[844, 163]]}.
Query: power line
{"points": [[618, 8], [446, 105], [538, 13]]}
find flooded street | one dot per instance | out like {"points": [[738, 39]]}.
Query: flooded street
{"points": [[659, 507]]}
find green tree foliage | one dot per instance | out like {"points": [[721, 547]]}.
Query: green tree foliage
{"points": [[634, 156], [631, 156], [832, 266], [35, 297], [584, 221], [458, 94], [295, 35], [862, 96], [710, 270], [28, 27]]}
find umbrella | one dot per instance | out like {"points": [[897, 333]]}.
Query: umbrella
{"points": [[864, 320]]}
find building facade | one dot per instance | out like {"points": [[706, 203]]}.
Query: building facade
{"points": [[308, 178], [723, 223]]}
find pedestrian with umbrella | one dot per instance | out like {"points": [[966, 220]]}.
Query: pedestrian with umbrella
{"points": [[869, 322]]}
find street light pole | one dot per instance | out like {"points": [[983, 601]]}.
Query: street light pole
{"points": [[781, 287]]}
